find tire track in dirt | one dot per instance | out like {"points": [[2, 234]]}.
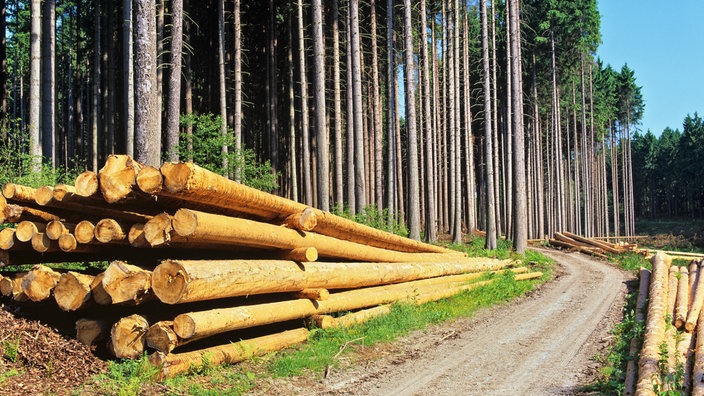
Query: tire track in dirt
{"points": [[539, 345]]}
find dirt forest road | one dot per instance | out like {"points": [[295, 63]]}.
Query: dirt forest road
{"points": [[543, 344]]}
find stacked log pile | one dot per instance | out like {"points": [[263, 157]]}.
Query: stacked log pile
{"points": [[590, 246], [197, 260], [669, 306]]}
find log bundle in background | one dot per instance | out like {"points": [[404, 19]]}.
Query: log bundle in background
{"points": [[194, 256]]}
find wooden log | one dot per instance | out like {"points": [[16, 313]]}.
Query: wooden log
{"points": [[118, 177], [206, 227], [696, 304], [305, 220], [60, 190], [562, 237], [671, 330], [640, 313], [39, 282], [55, 229], [685, 351], [12, 284], [157, 231], [601, 245], [149, 180], [87, 184], [26, 230], [698, 362], [109, 230], [42, 244], [7, 238], [693, 279], [127, 283], [16, 213], [351, 319], [303, 255], [181, 281], [91, 332], [682, 303], [195, 184], [19, 193], [18, 294], [202, 324], [589, 251], [136, 236], [649, 371], [317, 294], [84, 231], [73, 292], [176, 363], [161, 337], [100, 296], [127, 337]]}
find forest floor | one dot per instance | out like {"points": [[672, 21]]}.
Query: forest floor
{"points": [[542, 343]]}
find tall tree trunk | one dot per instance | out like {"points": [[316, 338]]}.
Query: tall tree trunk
{"points": [[187, 88], [223, 87], [3, 70], [237, 84], [377, 112], [147, 137], [128, 76], [159, 65], [95, 102], [48, 84], [337, 106], [391, 111], [458, 152], [451, 122], [294, 195], [495, 123], [430, 219], [35, 144], [305, 128], [410, 88], [488, 135], [351, 191], [321, 128], [272, 90], [520, 229], [469, 138], [359, 181], [173, 105], [110, 85]]}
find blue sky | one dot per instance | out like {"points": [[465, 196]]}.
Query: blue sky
{"points": [[663, 42]]}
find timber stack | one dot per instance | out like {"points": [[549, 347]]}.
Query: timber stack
{"points": [[670, 355], [590, 246], [197, 260]]}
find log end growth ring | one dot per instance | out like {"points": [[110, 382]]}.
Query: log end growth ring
{"points": [[176, 175], [184, 222], [184, 326], [169, 281]]}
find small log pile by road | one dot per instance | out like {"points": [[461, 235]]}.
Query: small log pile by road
{"points": [[669, 307], [590, 246], [197, 261]]}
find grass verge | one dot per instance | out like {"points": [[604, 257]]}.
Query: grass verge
{"points": [[327, 348]]}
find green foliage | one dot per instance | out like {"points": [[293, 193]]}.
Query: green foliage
{"points": [[18, 167], [12, 348], [206, 151], [4, 376], [475, 247], [372, 216], [126, 377], [631, 261]]}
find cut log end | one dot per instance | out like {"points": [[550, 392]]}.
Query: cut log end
{"points": [[67, 243], [169, 281], [321, 321], [108, 230], [136, 236], [127, 337], [176, 176], [184, 222], [26, 230], [304, 254], [117, 177], [184, 326], [44, 195], [55, 229], [306, 220], [157, 231], [42, 244], [162, 337], [84, 232], [38, 284], [7, 238], [127, 283], [87, 184], [90, 332], [150, 180], [317, 294], [60, 191], [73, 291]]}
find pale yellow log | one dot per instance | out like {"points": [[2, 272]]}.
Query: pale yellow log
{"points": [[109, 230], [126, 283], [695, 308], [640, 313], [73, 291], [593, 242], [149, 180], [685, 353], [18, 192], [305, 220], [60, 191], [87, 184], [180, 281], [55, 229], [84, 232], [361, 316], [176, 363], [648, 367], [207, 323], [157, 231], [26, 230], [317, 294], [100, 296], [16, 213], [161, 337], [682, 303], [42, 244], [671, 330], [303, 255], [39, 282], [127, 337], [193, 183], [44, 195], [118, 177], [206, 227], [91, 331], [698, 366], [7, 238], [693, 279]]}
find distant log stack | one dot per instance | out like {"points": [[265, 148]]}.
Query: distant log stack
{"points": [[185, 245], [590, 246]]}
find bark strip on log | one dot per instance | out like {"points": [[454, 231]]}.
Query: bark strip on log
{"points": [[649, 370], [181, 281], [15, 213], [176, 363]]}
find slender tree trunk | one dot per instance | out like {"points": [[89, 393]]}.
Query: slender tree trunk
{"points": [[128, 76], [237, 84], [469, 138], [495, 122], [292, 117], [360, 182], [351, 191], [35, 143], [321, 128], [147, 136], [187, 86], [159, 64], [488, 136], [520, 236], [305, 128], [173, 106], [223, 87], [413, 177], [272, 90], [95, 103], [452, 126], [3, 70], [430, 219], [391, 111], [110, 86], [337, 106], [48, 83]]}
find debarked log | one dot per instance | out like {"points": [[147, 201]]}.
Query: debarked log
{"points": [[127, 283]]}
